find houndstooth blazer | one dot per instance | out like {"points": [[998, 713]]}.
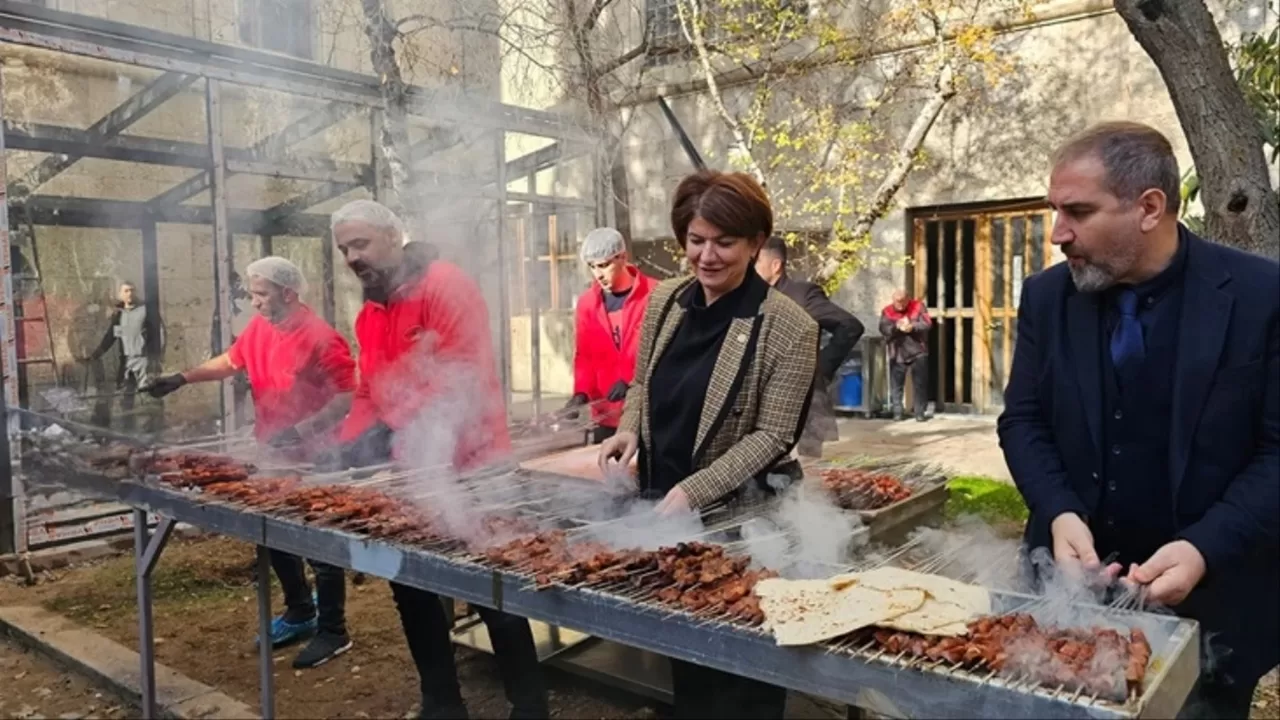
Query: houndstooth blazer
{"points": [[755, 405]]}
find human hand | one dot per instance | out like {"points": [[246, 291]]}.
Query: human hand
{"points": [[675, 503], [1171, 573], [1073, 547], [622, 448], [904, 325], [165, 385], [570, 410], [618, 392]]}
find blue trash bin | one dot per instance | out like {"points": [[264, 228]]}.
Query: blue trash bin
{"points": [[850, 388]]}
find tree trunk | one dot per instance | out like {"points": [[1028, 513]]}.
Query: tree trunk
{"points": [[1241, 207], [394, 143]]}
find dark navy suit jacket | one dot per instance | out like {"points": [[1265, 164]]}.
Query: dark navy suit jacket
{"points": [[1224, 449]]}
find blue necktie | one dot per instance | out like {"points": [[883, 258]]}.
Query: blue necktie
{"points": [[1127, 347]]}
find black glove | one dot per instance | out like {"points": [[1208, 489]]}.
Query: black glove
{"points": [[165, 385], [618, 392], [371, 448], [570, 411], [290, 437]]}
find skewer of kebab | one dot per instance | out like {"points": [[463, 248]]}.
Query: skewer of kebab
{"points": [[1098, 661]]}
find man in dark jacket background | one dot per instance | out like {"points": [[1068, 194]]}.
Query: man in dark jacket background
{"points": [[1142, 415], [840, 334], [904, 325]]}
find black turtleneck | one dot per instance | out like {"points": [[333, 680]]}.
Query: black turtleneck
{"points": [[678, 388]]}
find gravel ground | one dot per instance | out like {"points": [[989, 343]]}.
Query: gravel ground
{"points": [[34, 687]]}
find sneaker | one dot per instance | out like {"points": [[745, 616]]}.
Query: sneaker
{"points": [[285, 633], [324, 647]]}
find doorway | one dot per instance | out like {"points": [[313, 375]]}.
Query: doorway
{"points": [[969, 266]]}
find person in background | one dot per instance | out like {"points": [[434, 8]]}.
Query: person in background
{"points": [[607, 320], [724, 375], [129, 332], [904, 324], [428, 370], [302, 376], [841, 332], [1142, 415]]}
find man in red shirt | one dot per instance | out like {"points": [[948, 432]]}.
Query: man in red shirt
{"points": [[608, 330], [302, 377], [904, 324], [429, 394]]}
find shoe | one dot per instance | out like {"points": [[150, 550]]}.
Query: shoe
{"points": [[324, 647], [922, 418], [285, 633]]}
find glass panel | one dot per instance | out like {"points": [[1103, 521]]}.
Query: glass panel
{"points": [[539, 234], [1037, 243], [966, 342], [968, 231], [999, 283], [930, 290], [1018, 245], [996, 391], [949, 361], [947, 273]]}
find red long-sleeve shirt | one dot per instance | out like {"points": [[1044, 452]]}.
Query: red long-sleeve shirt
{"points": [[428, 370], [607, 344]]}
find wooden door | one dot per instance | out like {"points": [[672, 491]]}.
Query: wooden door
{"points": [[969, 269]]}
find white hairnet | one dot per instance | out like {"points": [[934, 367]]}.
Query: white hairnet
{"points": [[370, 212], [601, 244], [277, 270]]}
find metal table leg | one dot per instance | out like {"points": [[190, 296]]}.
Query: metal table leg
{"points": [[267, 678], [147, 549]]}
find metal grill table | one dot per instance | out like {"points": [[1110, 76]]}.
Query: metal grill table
{"points": [[862, 677]]}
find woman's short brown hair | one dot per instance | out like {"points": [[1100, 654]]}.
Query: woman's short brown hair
{"points": [[733, 202]]}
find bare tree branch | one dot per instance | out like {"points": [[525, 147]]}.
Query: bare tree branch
{"points": [[691, 26]]}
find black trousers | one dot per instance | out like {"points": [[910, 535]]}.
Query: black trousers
{"points": [[700, 692], [600, 433], [426, 629], [919, 369], [1212, 699], [331, 592]]}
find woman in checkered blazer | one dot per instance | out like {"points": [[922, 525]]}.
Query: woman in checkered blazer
{"points": [[722, 386]]}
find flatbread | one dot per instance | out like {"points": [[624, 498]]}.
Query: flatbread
{"points": [[804, 612], [948, 608]]}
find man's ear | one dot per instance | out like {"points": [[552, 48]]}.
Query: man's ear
{"points": [[1153, 204]]}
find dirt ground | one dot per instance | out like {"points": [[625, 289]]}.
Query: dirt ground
{"points": [[34, 687], [205, 622], [206, 618]]}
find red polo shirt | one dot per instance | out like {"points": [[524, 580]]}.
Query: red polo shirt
{"points": [[295, 369]]}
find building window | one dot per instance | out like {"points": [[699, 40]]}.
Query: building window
{"points": [[546, 269], [667, 43], [283, 26]]}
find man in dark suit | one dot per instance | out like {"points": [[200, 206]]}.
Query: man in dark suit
{"points": [[840, 331], [1141, 417]]}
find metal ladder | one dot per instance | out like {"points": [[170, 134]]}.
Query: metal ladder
{"points": [[28, 290]]}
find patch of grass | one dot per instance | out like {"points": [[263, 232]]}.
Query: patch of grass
{"points": [[991, 500]]}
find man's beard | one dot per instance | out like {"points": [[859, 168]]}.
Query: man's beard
{"points": [[1091, 278], [369, 276]]}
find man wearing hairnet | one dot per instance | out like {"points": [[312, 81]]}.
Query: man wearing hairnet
{"points": [[608, 330], [302, 376]]}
